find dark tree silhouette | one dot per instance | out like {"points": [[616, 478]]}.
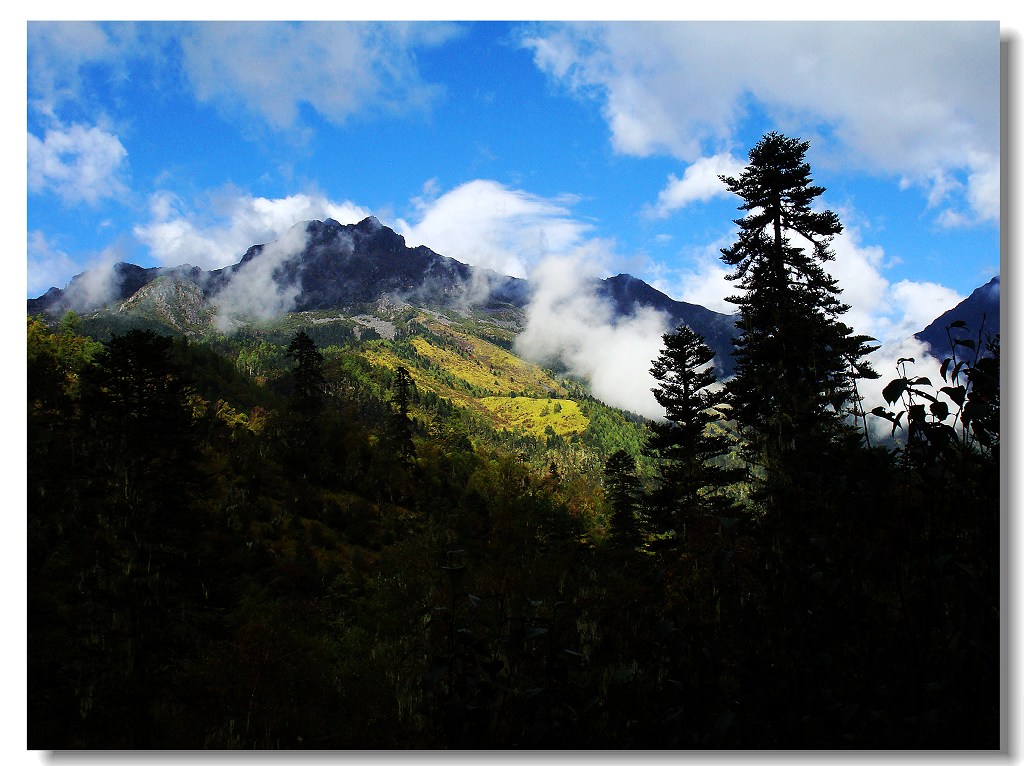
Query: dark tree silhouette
{"points": [[692, 509], [308, 373], [622, 490], [796, 362], [404, 387], [139, 529], [795, 373], [687, 443]]}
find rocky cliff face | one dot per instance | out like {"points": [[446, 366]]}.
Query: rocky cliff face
{"points": [[173, 301], [357, 264]]}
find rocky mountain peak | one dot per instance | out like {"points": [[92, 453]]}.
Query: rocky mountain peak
{"points": [[172, 299]]}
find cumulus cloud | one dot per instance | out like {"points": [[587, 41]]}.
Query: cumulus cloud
{"points": [[230, 224], [700, 182], [568, 322], [983, 189], [915, 99], [253, 292], [510, 231], [486, 224], [921, 302], [80, 164], [859, 268], [338, 68], [979, 193], [887, 311]]}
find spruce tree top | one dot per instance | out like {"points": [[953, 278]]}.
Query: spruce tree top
{"points": [[777, 189]]}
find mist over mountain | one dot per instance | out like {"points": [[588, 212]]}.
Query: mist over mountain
{"points": [[626, 293], [92, 290], [318, 264]]}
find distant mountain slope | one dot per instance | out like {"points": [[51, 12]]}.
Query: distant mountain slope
{"points": [[981, 305], [172, 300]]}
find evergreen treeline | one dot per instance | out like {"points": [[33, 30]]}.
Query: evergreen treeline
{"points": [[272, 546]]}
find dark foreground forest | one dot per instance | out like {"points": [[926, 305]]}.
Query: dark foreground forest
{"points": [[322, 556]]}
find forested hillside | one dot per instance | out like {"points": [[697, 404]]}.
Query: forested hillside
{"points": [[389, 531]]}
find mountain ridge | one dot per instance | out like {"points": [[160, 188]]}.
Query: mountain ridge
{"points": [[358, 265]]}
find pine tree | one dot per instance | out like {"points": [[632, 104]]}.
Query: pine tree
{"points": [[308, 373], [689, 447], [693, 501], [403, 425], [796, 362], [622, 489], [795, 373]]}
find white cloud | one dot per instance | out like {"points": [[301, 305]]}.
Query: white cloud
{"points": [[97, 284], [859, 270], [700, 182], [567, 321], [916, 99], [983, 193], [79, 164], [253, 292], [663, 88], [921, 302], [176, 236], [337, 68], [884, 362], [486, 224]]}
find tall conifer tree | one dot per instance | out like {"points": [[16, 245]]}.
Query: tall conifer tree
{"points": [[796, 362], [622, 488], [308, 373], [686, 445]]}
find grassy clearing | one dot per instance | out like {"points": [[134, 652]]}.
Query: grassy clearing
{"points": [[485, 365], [512, 393], [535, 416]]}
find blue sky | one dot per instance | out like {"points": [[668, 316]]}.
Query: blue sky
{"points": [[506, 145]]}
